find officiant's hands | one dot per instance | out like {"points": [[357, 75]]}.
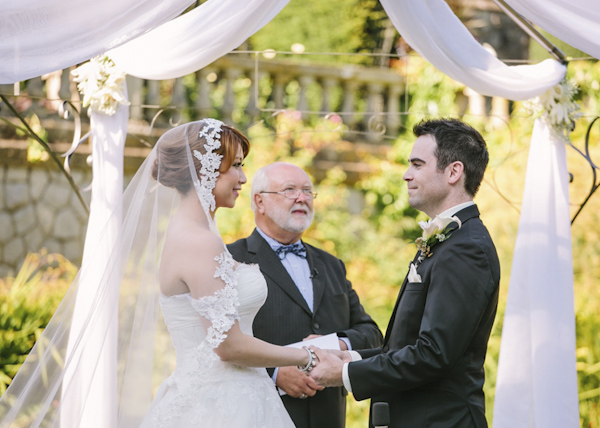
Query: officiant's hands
{"points": [[295, 383], [328, 371]]}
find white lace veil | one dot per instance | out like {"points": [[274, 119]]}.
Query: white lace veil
{"points": [[122, 317]]}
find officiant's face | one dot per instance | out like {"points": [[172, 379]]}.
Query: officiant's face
{"points": [[427, 187], [292, 215]]}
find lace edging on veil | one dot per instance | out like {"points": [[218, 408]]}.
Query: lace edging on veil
{"points": [[128, 284]]}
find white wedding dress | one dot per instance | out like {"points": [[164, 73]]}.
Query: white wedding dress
{"points": [[203, 391]]}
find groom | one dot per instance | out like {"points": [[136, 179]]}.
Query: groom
{"points": [[430, 368]]}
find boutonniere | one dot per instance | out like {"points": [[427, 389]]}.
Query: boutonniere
{"points": [[434, 231]]}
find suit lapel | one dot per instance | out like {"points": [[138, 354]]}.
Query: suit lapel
{"points": [[467, 214], [316, 266], [263, 255], [464, 215], [393, 317]]}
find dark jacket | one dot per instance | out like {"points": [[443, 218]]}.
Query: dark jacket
{"points": [[286, 318], [430, 368]]}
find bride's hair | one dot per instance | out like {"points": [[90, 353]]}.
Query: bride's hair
{"points": [[171, 167]]}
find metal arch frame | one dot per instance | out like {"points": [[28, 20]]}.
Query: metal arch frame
{"points": [[531, 31], [587, 156]]}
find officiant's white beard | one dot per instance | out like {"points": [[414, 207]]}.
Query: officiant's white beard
{"points": [[286, 220]]}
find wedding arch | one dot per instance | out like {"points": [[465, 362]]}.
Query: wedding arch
{"points": [[152, 39]]}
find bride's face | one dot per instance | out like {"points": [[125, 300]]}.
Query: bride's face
{"points": [[230, 183]]}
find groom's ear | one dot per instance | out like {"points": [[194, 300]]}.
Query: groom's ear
{"points": [[455, 171]]}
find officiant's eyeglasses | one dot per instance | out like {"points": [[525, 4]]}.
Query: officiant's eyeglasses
{"points": [[294, 193]]}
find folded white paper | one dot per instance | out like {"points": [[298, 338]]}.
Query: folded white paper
{"points": [[329, 341]]}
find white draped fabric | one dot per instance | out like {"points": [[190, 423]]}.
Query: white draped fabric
{"points": [[572, 21], [41, 36], [537, 380], [536, 385], [38, 36], [93, 367], [431, 28], [196, 39]]}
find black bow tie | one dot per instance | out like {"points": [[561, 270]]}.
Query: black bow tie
{"points": [[297, 248]]}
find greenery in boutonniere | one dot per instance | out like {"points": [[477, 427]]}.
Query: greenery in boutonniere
{"points": [[434, 231]]}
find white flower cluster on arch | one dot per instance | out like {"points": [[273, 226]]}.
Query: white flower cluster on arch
{"points": [[147, 39]]}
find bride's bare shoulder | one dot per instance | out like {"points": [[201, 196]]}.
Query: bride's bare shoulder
{"points": [[194, 241], [189, 253]]}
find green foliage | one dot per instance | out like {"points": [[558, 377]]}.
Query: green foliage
{"points": [[350, 26], [369, 224], [27, 302], [538, 53], [374, 241], [430, 92], [35, 151]]}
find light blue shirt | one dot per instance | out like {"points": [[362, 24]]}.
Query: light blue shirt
{"points": [[299, 271]]}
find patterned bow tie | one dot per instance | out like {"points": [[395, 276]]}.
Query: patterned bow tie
{"points": [[297, 248]]}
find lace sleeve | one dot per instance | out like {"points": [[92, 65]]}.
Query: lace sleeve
{"points": [[220, 309]]}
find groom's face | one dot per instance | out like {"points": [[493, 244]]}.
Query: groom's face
{"points": [[427, 187]]}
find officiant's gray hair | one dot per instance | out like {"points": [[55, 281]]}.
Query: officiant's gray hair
{"points": [[457, 141], [260, 181]]}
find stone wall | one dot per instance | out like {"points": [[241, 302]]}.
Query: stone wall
{"points": [[39, 209]]}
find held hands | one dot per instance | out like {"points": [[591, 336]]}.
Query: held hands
{"points": [[328, 371], [295, 383]]}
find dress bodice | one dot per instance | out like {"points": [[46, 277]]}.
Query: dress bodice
{"points": [[187, 329], [204, 391]]}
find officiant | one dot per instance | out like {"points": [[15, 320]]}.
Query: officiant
{"points": [[309, 294]]}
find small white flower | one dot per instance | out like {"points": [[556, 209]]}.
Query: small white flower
{"points": [[435, 226], [102, 85], [434, 230], [557, 108]]}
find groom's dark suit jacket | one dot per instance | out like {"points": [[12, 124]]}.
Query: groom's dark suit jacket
{"points": [[286, 318], [430, 368]]}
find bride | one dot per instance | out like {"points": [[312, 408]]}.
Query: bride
{"points": [[171, 254], [208, 302]]}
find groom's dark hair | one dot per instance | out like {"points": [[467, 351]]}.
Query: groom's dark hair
{"points": [[457, 141]]}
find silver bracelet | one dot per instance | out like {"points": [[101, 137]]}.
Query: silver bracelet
{"points": [[312, 361]]}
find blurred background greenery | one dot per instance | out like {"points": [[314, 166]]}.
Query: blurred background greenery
{"points": [[374, 239], [366, 220]]}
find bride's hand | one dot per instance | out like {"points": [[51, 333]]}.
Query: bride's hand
{"points": [[329, 370], [311, 360]]}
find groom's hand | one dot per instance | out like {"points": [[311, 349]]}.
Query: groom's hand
{"points": [[295, 383], [328, 371]]}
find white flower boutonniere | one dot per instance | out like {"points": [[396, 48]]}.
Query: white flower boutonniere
{"points": [[434, 231], [102, 85]]}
